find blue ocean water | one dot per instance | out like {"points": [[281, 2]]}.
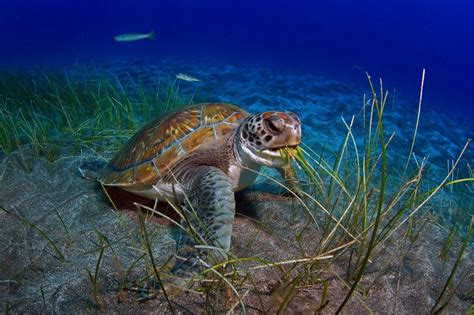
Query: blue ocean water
{"points": [[392, 39]]}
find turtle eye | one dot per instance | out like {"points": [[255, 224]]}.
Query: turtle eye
{"points": [[274, 124]]}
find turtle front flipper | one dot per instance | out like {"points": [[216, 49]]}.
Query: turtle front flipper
{"points": [[208, 216]]}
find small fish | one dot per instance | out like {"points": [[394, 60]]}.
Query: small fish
{"points": [[186, 77], [131, 37]]}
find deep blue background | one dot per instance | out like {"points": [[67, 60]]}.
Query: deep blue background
{"points": [[391, 39]]}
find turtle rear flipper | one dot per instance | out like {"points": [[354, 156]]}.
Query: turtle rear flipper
{"points": [[208, 219], [90, 169]]}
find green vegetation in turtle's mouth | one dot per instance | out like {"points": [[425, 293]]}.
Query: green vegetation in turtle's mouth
{"points": [[287, 152], [285, 148], [295, 153]]}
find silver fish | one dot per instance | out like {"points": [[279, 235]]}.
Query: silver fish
{"points": [[186, 77], [131, 37]]}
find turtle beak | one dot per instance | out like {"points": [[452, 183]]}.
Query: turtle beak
{"points": [[293, 125]]}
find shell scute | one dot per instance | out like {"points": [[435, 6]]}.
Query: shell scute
{"points": [[111, 176], [146, 173], [167, 159], [199, 137], [216, 112]]}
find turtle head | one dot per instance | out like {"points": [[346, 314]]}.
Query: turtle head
{"points": [[263, 135]]}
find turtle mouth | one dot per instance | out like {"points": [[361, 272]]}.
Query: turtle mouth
{"points": [[288, 151]]}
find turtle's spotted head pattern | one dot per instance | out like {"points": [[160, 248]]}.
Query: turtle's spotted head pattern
{"points": [[262, 135]]}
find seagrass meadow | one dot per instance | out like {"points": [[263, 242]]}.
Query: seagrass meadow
{"points": [[382, 220]]}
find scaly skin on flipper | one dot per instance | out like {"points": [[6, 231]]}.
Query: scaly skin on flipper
{"points": [[209, 220]]}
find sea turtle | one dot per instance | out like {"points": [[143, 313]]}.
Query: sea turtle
{"points": [[200, 155]]}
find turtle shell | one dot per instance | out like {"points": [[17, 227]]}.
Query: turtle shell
{"points": [[162, 143]]}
